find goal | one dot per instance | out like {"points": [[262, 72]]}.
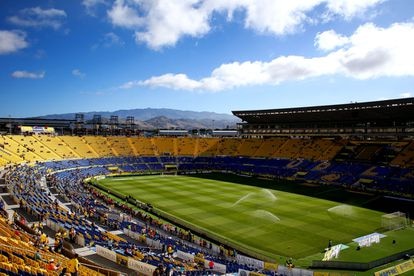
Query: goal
{"points": [[392, 221], [170, 169]]}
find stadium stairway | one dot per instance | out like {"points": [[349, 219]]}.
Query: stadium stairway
{"points": [[101, 261], [9, 203], [84, 251]]}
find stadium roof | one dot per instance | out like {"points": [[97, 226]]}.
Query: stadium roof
{"points": [[397, 110], [37, 122]]}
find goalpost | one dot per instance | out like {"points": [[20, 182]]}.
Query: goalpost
{"points": [[170, 169], [392, 221]]}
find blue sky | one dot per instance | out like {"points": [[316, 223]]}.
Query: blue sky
{"points": [[202, 55]]}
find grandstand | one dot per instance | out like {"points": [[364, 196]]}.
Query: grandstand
{"points": [[363, 147], [380, 119]]}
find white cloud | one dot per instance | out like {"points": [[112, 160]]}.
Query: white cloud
{"points": [[90, 5], [376, 52], [171, 81], [350, 8], [167, 21], [406, 95], [39, 18], [236, 74], [40, 54], [278, 17], [160, 23], [78, 73], [130, 84], [109, 40], [371, 52], [28, 75], [329, 40], [124, 16], [177, 82], [12, 41]]}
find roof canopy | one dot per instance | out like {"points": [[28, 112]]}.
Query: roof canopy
{"points": [[397, 111]]}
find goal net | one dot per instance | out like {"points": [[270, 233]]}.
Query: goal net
{"points": [[170, 169], [392, 221]]}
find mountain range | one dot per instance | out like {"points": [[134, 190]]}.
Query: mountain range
{"points": [[161, 118]]}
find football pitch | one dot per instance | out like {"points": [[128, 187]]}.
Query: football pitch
{"points": [[264, 221]]}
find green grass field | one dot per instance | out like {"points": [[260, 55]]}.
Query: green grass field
{"points": [[265, 221]]}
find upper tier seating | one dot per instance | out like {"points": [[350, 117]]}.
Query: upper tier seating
{"points": [[100, 145], [186, 146], [56, 145], [406, 157], [120, 146], [79, 146], [165, 145]]}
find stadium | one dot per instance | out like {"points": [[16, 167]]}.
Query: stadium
{"points": [[323, 190]]}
